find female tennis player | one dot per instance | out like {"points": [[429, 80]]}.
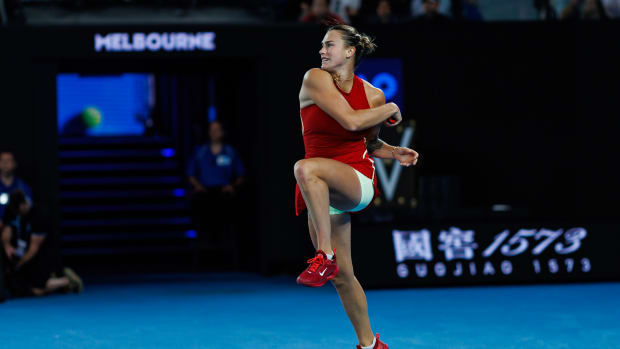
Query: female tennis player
{"points": [[341, 115]]}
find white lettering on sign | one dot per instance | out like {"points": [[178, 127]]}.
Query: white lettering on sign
{"points": [[460, 245], [402, 270], [457, 243], [139, 42], [519, 243], [421, 269], [440, 269], [412, 245], [553, 266]]}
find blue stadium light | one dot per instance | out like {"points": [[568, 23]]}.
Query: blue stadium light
{"points": [[167, 152], [386, 74], [179, 192], [191, 234], [387, 82]]}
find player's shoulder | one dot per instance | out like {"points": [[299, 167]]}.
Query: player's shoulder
{"points": [[375, 95], [316, 76]]}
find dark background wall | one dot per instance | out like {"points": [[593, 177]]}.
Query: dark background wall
{"points": [[28, 125], [521, 113]]}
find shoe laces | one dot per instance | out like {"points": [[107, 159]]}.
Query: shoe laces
{"points": [[315, 262]]}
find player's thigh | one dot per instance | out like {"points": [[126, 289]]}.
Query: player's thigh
{"points": [[341, 241], [345, 190]]}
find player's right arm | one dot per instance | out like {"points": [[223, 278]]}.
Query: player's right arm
{"points": [[378, 148], [318, 87]]}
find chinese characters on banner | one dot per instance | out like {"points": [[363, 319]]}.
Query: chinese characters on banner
{"points": [[458, 254]]}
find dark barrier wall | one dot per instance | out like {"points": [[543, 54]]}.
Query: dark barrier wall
{"points": [[27, 117], [523, 112]]}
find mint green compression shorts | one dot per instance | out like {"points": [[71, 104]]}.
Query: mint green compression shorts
{"points": [[368, 191]]}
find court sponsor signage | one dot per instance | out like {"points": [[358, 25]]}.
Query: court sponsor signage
{"points": [[154, 41], [456, 253]]}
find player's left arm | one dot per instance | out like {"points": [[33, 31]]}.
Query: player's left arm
{"points": [[377, 147]]}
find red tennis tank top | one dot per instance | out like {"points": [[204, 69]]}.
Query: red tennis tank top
{"points": [[324, 137]]}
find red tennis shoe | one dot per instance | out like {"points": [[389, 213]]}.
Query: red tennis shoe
{"points": [[378, 344], [319, 271]]}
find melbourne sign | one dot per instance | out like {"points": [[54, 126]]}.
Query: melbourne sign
{"points": [[155, 41]]}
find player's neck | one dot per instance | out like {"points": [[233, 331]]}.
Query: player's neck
{"points": [[344, 78]]}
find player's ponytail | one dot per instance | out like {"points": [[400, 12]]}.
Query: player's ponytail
{"points": [[364, 44], [367, 44]]}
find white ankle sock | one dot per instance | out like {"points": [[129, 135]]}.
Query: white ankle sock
{"points": [[330, 256], [374, 341]]}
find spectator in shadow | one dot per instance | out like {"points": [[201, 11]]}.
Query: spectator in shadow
{"points": [[546, 9], [348, 10], [12, 12], [470, 10], [9, 182], [584, 9], [431, 13], [418, 8], [28, 266], [612, 8], [318, 12], [215, 173], [383, 14]]}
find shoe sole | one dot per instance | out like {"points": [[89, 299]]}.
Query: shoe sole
{"points": [[74, 278], [331, 276]]}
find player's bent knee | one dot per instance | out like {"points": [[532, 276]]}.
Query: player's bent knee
{"points": [[303, 169], [299, 169]]}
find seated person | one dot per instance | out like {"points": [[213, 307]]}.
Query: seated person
{"points": [[9, 182], [27, 267]]}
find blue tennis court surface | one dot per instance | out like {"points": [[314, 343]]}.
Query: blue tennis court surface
{"points": [[250, 311]]}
